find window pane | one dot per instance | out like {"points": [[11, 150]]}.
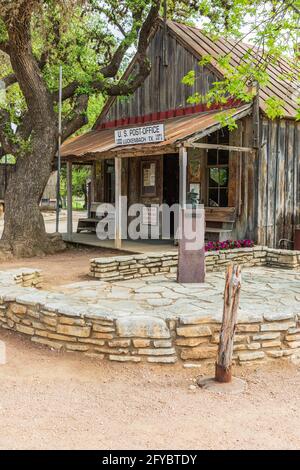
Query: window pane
{"points": [[213, 177], [212, 157], [213, 198], [223, 177], [223, 157], [223, 202]]}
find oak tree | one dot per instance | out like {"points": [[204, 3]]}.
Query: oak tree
{"points": [[91, 39]]}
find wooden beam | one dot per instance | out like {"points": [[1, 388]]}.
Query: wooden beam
{"points": [[182, 176], [69, 201], [124, 153], [118, 208], [231, 148], [256, 118]]}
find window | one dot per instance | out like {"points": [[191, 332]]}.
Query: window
{"points": [[218, 170]]}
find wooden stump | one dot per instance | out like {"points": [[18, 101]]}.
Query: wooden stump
{"points": [[230, 311]]}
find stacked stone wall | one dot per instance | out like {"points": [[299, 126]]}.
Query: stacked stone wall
{"points": [[136, 266]]}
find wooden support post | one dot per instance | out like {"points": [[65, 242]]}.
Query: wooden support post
{"points": [[69, 201], [182, 176], [118, 207], [93, 184], [230, 311], [256, 118]]}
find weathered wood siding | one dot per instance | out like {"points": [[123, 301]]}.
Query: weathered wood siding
{"points": [[163, 89], [264, 186], [278, 181], [243, 181]]}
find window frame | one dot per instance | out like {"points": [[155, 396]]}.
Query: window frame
{"points": [[217, 165]]}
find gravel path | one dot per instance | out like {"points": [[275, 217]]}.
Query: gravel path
{"points": [[62, 401]]}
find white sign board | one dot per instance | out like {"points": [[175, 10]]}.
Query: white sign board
{"points": [[150, 215], [149, 175], [140, 135]]}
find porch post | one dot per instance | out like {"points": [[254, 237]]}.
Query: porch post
{"points": [[182, 176], [118, 212], [69, 201]]}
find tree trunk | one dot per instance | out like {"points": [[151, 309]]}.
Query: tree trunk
{"points": [[24, 228], [230, 311]]}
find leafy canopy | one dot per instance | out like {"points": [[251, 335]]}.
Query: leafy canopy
{"points": [[270, 28], [92, 39]]}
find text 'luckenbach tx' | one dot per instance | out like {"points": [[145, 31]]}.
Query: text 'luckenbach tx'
{"points": [[154, 459]]}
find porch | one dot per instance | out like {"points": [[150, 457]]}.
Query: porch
{"points": [[189, 162], [130, 246]]}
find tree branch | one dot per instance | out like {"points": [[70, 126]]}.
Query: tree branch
{"points": [[7, 143], [144, 67], [9, 80], [4, 47], [112, 68], [79, 117], [25, 128]]}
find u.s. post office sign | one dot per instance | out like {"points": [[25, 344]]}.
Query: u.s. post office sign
{"points": [[140, 135]]}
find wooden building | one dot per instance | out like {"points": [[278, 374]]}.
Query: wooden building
{"points": [[248, 179]]}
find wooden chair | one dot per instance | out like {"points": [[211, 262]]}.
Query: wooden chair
{"points": [[219, 223]]}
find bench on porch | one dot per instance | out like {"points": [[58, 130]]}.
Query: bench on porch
{"points": [[219, 223], [89, 224]]}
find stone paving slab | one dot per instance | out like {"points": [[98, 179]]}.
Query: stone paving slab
{"points": [[272, 294], [155, 319], [267, 293]]}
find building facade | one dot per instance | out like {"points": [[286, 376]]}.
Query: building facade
{"points": [[248, 179]]}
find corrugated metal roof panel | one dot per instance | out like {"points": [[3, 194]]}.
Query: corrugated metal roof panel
{"points": [[176, 130], [285, 89]]}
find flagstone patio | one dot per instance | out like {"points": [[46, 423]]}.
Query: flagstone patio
{"points": [[266, 293], [155, 319]]}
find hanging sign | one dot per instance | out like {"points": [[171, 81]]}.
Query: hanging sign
{"points": [[140, 135]]}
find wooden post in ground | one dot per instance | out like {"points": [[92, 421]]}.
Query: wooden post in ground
{"points": [[230, 312]]}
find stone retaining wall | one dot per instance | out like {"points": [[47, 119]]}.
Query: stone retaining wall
{"points": [[61, 325], [136, 266]]}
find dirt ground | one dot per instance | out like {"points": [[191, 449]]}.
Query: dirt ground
{"points": [[61, 268], [52, 400]]}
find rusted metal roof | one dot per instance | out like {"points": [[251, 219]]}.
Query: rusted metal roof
{"points": [[101, 143], [283, 79]]}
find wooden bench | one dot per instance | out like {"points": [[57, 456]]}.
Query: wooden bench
{"points": [[219, 223], [89, 224]]}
